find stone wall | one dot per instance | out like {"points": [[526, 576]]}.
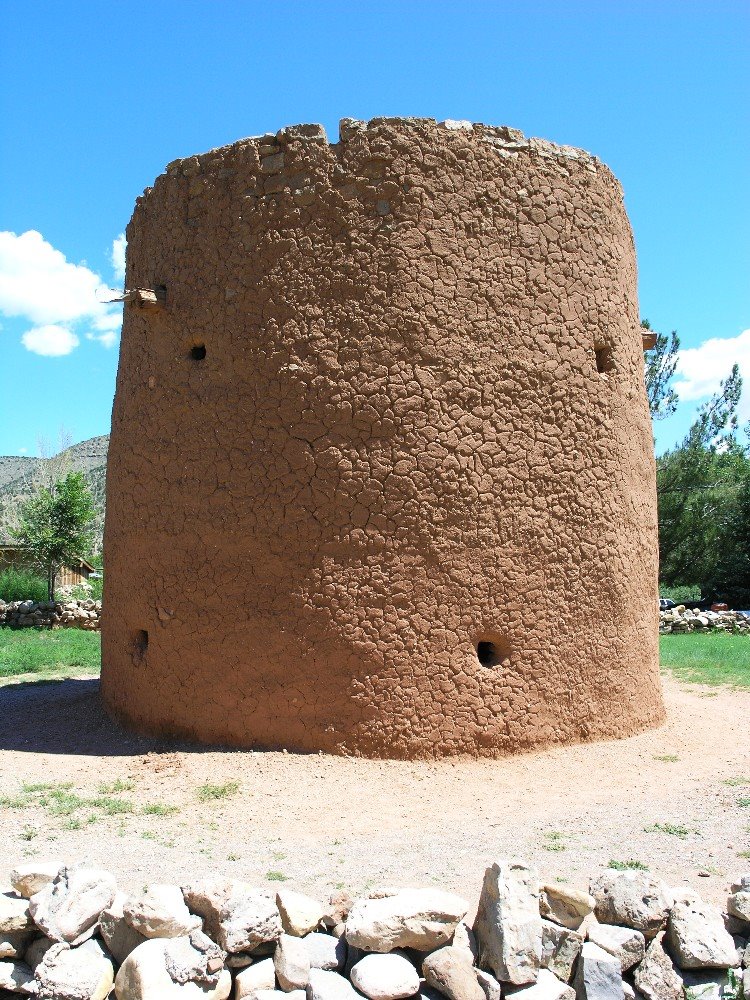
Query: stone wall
{"points": [[67, 932], [380, 431], [682, 619], [52, 614]]}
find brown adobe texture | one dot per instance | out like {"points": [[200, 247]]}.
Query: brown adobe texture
{"points": [[381, 474]]}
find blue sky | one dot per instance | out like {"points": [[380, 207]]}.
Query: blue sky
{"points": [[96, 98]]}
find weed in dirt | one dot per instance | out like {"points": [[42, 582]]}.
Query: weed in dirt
{"points": [[112, 807], [673, 829], [743, 803], [115, 787], [736, 782], [208, 793], [13, 802], [148, 835], [667, 758], [626, 866], [233, 857], [29, 832], [276, 877], [278, 855], [55, 786], [157, 809], [555, 841], [743, 854]]}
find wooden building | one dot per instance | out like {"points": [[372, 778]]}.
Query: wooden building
{"points": [[69, 576]]}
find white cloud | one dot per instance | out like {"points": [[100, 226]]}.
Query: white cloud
{"points": [[117, 256], [701, 369], [52, 340], [38, 284]]}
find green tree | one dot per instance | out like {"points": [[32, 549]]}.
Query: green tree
{"points": [[661, 362], [704, 502], [53, 525]]}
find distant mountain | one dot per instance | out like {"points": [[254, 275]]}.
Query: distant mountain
{"points": [[20, 475]]}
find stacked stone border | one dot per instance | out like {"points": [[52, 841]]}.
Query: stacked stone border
{"points": [[52, 614], [69, 933], [682, 619]]}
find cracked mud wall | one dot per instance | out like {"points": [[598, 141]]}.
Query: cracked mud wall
{"points": [[381, 474]]}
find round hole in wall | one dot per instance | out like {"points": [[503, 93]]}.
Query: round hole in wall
{"points": [[493, 651], [140, 645], [487, 654], [605, 361], [198, 352]]}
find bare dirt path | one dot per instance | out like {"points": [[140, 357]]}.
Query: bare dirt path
{"points": [[323, 822]]}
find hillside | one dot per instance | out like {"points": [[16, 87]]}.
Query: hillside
{"points": [[19, 476]]}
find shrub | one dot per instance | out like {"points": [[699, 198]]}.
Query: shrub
{"points": [[21, 585], [680, 594]]}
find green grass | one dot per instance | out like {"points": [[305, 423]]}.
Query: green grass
{"points": [[208, 793], [47, 653], [673, 829], [22, 585], [714, 658], [276, 876], [667, 758], [626, 866], [555, 841], [63, 801]]}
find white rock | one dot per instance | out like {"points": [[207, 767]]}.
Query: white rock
{"points": [[68, 908], [598, 975], [28, 879], [145, 975], [13, 944], [14, 914], [67, 973], [292, 963], [560, 949], [411, 918], [37, 950], [707, 984], [159, 911], [325, 985], [117, 933], [490, 986], [697, 939], [625, 943], [385, 977], [632, 899], [237, 916], [325, 951], [464, 937], [655, 976], [450, 970], [565, 906], [256, 980], [300, 914], [508, 926], [547, 987], [738, 905], [17, 978]]}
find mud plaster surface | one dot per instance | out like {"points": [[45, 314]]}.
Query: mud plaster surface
{"points": [[322, 822], [397, 446]]}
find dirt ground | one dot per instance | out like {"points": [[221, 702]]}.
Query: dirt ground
{"points": [[321, 823]]}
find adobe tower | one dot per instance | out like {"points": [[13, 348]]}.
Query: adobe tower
{"points": [[381, 475]]}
